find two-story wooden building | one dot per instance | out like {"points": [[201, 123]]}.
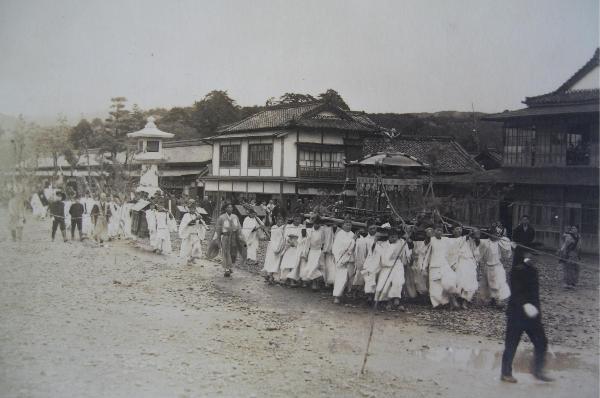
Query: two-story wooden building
{"points": [[285, 152], [550, 159]]}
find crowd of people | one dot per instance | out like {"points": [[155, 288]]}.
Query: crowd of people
{"points": [[385, 264]]}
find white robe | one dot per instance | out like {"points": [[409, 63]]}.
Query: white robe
{"points": [[39, 210], [163, 233], [417, 272], [191, 237], [115, 219], [87, 227], [463, 259], [274, 250], [442, 279], [290, 260], [250, 234], [372, 265], [311, 255], [391, 277], [151, 221], [363, 245], [343, 255], [327, 261], [67, 207], [493, 284], [125, 220]]}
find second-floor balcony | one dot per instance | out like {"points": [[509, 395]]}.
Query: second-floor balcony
{"points": [[322, 172]]}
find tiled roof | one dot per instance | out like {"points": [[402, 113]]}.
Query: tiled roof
{"points": [[542, 111], [564, 94], [451, 157], [566, 97], [300, 115], [567, 176]]}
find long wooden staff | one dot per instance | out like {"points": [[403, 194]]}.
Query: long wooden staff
{"points": [[364, 364]]}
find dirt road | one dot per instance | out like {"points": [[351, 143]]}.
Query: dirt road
{"points": [[84, 321]]}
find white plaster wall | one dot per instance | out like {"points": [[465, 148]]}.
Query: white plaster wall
{"points": [[276, 171], [239, 186], [272, 187], [289, 155], [310, 136], [225, 186], [254, 172], [255, 187], [212, 186], [244, 158], [591, 80], [215, 159], [289, 188], [333, 138]]}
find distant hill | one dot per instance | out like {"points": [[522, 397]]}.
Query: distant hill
{"points": [[445, 123]]}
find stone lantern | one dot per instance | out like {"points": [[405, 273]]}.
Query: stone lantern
{"points": [[149, 154]]}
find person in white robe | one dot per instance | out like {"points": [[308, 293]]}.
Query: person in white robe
{"points": [[494, 286], [68, 202], [86, 219], [113, 223], [151, 222], [343, 255], [391, 278], [39, 211], [327, 261], [418, 271], [271, 267], [163, 230], [310, 258], [463, 260], [250, 228], [361, 252], [192, 231], [125, 220], [442, 279], [290, 260], [373, 263]]}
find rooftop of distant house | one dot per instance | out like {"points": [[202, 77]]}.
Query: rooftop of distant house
{"points": [[313, 115], [444, 154], [575, 96]]}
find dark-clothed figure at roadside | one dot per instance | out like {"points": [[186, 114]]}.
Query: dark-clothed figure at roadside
{"points": [[524, 235], [57, 212], [524, 314], [76, 211]]}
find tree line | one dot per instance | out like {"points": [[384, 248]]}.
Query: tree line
{"points": [[109, 136]]}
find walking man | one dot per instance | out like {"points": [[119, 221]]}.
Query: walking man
{"points": [[524, 314], [228, 235], [76, 211], [57, 212]]}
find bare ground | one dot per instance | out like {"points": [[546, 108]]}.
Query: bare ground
{"points": [[83, 321]]}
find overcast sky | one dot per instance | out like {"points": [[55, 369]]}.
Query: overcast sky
{"points": [[70, 57]]}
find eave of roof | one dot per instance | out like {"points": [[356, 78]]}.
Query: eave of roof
{"points": [[564, 176], [563, 93], [249, 134], [542, 111]]}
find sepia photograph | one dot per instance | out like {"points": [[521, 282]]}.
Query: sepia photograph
{"points": [[311, 198]]}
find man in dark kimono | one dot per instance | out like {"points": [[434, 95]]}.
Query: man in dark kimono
{"points": [[524, 314], [524, 235]]}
